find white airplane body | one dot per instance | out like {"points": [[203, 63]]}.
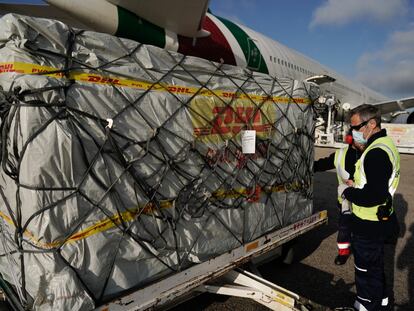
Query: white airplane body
{"points": [[186, 27]]}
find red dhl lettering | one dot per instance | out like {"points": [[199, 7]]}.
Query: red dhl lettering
{"points": [[37, 70], [229, 95], [241, 159], [7, 68], [229, 155], [176, 89], [254, 194], [104, 80], [262, 128], [217, 156], [202, 131], [305, 222], [231, 120], [266, 98]]}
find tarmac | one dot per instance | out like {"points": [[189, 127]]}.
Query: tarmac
{"points": [[313, 273]]}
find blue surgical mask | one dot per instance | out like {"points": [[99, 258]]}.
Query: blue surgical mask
{"points": [[359, 137]]}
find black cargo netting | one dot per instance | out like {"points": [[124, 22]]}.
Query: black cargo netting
{"points": [[126, 170]]}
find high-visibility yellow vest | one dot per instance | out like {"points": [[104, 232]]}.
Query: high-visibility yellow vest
{"points": [[339, 162], [386, 144]]}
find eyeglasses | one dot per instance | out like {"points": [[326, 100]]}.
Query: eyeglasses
{"points": [[358, 127]]}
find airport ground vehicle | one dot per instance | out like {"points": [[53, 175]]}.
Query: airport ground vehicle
{"points": [[402, 134], [331, 127]]}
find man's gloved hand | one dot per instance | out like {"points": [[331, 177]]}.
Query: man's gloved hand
{"points": [[350, 182]]}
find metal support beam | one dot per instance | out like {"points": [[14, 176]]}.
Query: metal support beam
{"points": [[241, 283]]}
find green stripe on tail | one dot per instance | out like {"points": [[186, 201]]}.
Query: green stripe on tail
{"points": [[133, 27], [254, 58]]}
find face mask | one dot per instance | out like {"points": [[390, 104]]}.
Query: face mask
{"points": [[359, 137]]}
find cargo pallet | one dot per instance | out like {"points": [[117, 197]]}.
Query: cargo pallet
{"points": [[219, 275]]}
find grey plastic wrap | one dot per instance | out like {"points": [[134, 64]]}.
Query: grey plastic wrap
{"points": [[122, 163]]}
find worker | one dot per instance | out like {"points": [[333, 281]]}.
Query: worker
{"points": [[344, 161], [373, 220]]}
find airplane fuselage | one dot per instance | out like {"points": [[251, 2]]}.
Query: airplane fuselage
{"points": [[238, 45], [217, 39]]}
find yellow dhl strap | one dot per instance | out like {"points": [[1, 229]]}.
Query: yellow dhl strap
{"points": [[27, 68], [252, 195], [98, 227]]}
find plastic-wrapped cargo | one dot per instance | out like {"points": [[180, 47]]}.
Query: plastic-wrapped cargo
{"points": [[123, 163]]}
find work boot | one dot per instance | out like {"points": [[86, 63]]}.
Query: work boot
{"points": [[341, 259]]}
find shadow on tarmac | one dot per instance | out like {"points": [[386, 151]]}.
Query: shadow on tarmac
{"points": [[405, 260]]}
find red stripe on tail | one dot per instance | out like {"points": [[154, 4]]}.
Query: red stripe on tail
{"points": [[214, 47]]}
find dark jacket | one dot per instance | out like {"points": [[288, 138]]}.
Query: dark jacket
{"points": [[378, 171]]}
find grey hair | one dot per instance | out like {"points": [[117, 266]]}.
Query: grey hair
{"points": [[367, 112]]}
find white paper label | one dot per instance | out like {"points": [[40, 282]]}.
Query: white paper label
{"points": [[248, 141]]}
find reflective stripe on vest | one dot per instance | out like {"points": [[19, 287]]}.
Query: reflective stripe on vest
{"points": [[386, 144], [339, 163]]}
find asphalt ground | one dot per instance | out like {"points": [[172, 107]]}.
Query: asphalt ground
{"points": [[313, 273]]}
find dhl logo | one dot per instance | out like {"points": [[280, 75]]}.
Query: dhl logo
{"points": [[233, 120], [103, 80], [182, 90], [7, 68], [213, 120], [47, 72], [30, 69]]}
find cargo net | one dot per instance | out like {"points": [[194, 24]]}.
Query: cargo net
{"points": [[122, 163]]}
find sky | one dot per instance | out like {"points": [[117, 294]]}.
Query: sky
{"points": [[369, 41]]}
